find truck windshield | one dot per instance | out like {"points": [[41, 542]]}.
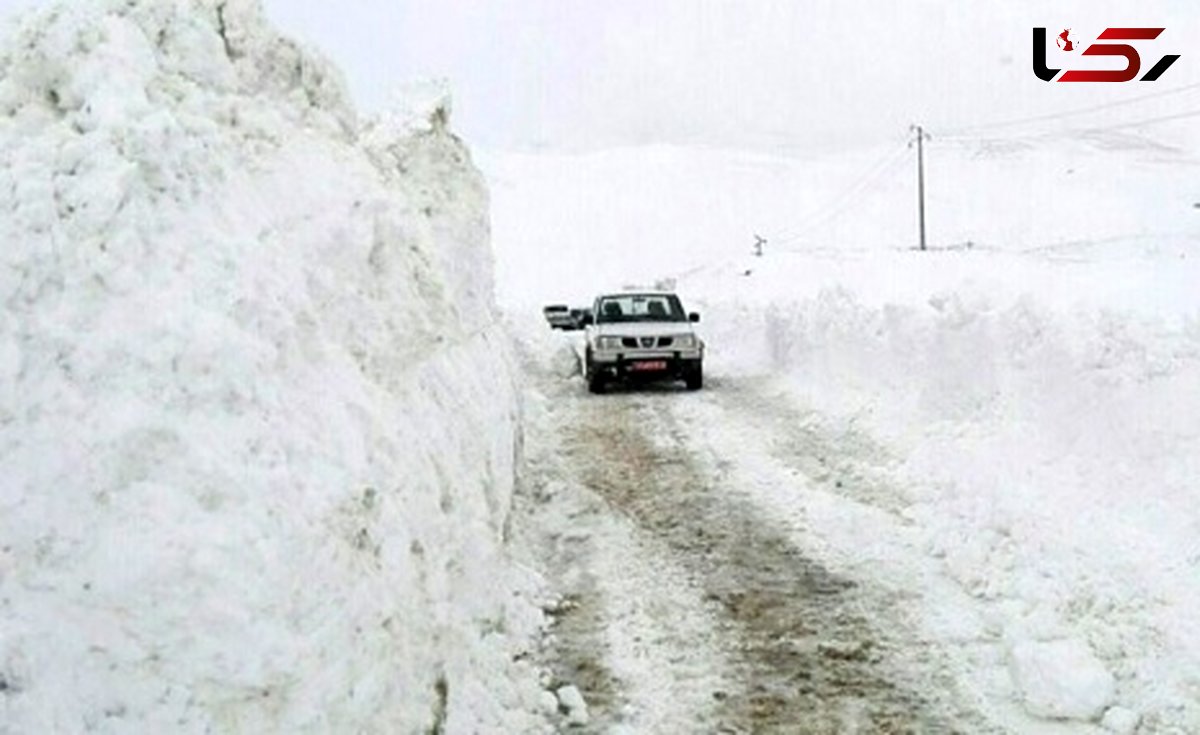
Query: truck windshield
{"points": [[639, 308]]}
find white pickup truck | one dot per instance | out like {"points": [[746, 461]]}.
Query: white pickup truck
{"points": [[642, 336]]}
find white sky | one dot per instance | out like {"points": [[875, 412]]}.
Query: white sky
{"points": [[585, 73]]}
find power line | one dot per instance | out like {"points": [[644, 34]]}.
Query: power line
{"points": [[844, 203], [847, 197], [802, 223], [831, 207], [836, 206], [1032, 137], [1150, 121], [1070, 113]]}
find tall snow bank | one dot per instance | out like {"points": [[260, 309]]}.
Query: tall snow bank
{"points": [[257, 424]]}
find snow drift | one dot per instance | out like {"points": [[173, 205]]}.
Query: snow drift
{"points": [[257, 427]]}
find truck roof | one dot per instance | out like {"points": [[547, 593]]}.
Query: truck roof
{"points": [[636, 292]]}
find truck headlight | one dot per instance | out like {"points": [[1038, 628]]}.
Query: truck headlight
{"points": [[686, 341], [608, 343]]}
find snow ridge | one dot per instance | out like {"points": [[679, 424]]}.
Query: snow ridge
{"points": [[245, 353], [1048, 457]]}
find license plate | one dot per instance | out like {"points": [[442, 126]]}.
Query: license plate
{"points": [[647, 366]]}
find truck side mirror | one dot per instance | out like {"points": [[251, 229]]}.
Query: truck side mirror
{"points": [[694, 318]]}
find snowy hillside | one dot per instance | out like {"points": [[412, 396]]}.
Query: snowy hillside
{"points": [[246, 348], [1033, 401]]}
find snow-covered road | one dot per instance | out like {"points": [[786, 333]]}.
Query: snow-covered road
{"points": [[700, 594], [993, 448]]}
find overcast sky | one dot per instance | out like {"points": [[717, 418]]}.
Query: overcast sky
{"points": [[587, 73]]}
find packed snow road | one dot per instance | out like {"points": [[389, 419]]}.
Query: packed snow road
{"points": [[692, 603]]}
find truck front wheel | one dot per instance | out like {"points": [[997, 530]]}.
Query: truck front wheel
{"points": [[595, 381]]}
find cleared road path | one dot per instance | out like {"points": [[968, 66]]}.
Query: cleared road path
{"points": [[692, 604]]}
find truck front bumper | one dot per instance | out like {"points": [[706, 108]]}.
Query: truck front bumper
{"points": [[646, 365]]}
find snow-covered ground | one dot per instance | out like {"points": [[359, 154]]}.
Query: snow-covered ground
{"points": [[1035, 397], [246, 348]]}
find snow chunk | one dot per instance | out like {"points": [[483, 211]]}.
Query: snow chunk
{"points": [[548, 703], [572, 703], [1121, 721], [418, 107], [1061, 679]]}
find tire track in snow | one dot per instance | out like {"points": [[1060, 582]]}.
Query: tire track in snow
{"points": [[632, 633], [835, 456], [805, 655], [834, 489]]}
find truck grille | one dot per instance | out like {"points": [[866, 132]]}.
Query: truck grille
{"points": [[646, 343]]}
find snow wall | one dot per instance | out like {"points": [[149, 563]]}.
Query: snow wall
{"points": [[1043, 415], [258, 430]]}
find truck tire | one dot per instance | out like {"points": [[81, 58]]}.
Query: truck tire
{"points": [[595, 381], [695, 378]]}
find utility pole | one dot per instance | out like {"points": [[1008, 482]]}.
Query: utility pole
{"points": [[759, 241], [921, 138]]}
